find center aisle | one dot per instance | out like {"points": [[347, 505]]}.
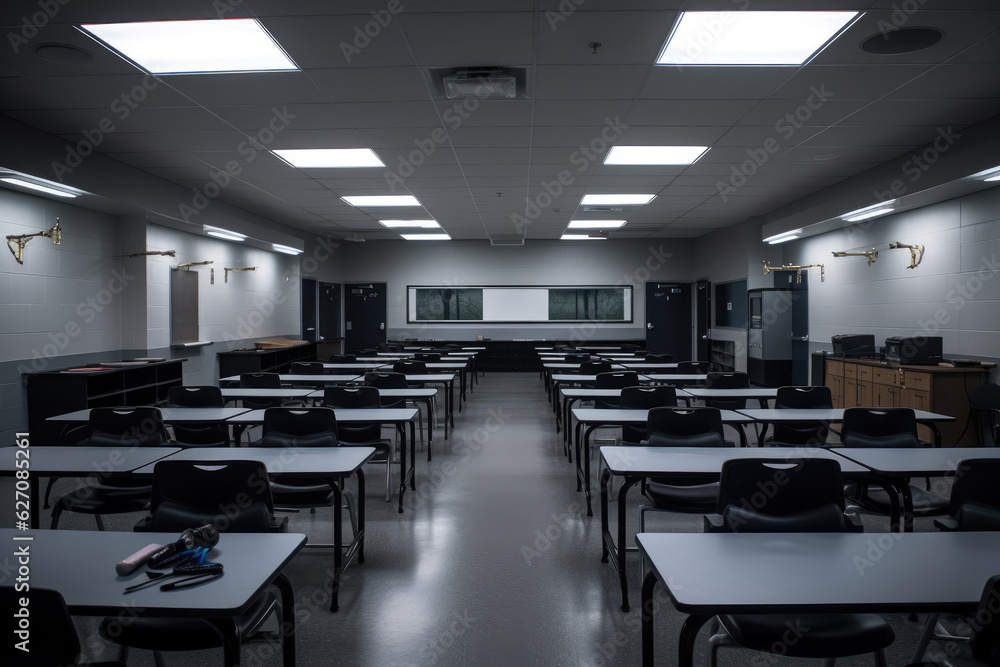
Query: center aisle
{"points": [[493, 561]]}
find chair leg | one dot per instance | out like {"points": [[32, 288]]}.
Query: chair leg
{"points": [[351, 513], [100, 522], [158, 659], [56, 511], [48, 491], [717, 637], [388, 475], [879, 658], [830, 662], [925, 638]]}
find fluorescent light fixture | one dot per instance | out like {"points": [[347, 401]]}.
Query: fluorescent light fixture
{"points": [[329, 158], [422, 224], [991, 174], [783, 236], [220, 233], [751, 38], [581, 237], [382, 200], [612, 200], [426, 237], [288, 250], [20, 182], [872, 211], [994, 177], [595, 224], [654, 154], [192, 47]]}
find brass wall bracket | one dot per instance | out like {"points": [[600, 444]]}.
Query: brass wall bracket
{"points": [[187, 264], [16, 242], [872, 255], [798, 270], [916, 253], [166, 253], [237, 268]]}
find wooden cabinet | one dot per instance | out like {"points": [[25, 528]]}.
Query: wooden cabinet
{"points": [[869, 383], [277, 360]]}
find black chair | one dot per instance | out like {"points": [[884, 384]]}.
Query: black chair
{"points": [[803, 496], [986, 626], [303, 427], [54, 639], [659, 358], [886, 427], [730, 380], [234, 497], [343, 358], [307, 368], [974, 505], [644, 398], [576, 357], [411, 367], [124, 427], [681, 427], [427, 356], [614, 380], [194, 435], [984, 403], [804, 432], [362, 433], [260, 381], [394, 380], [692, 367], [595, 367]]}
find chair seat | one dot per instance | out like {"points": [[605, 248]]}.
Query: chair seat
{"points": [[810, 635], [964, 662], [309, 493], [182, 634], [681, 496], [924, 503], [103, 499]]}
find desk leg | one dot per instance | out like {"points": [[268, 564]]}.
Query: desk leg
{"points": [[413, 452], [605, 519], [430, 429], [287, 596], [338, 543], [686, 642], [904, 489], [231, 643], [451, 401], [402, 467], [647, 618], [618, 554], [585, 455], [359, 539], [937, 434], [34, 517]]}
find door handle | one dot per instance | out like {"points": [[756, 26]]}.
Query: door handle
{"points": [[704, 337], [801, 338], [381, 326], [649, 325]]}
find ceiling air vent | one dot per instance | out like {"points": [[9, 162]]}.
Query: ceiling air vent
{"points": [[480, 83], [602, 209], [506, 240]]}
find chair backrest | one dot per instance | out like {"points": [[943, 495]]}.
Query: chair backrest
{"points": [[233, 496], [576, 357], [386, 380], [782, 495], [803, 397], [692, 367], [206, 396], [804, 432], [643, 398], [259, 381], [727, 380], [975, 495], [986, 642], [427, 356], [54, 640], [684, 427], [659, 358], [127, 427], [410, 367], [595, 367], [616, 379], [879, 427], [985, 404], [354, 398], [307, 368], [342, 358], [299, 427]]}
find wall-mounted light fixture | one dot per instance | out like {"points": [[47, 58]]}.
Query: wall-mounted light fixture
{"points": [[872, 255], [916, 253], [797, 268], [237, 268], [165, 253], [16, 242]]}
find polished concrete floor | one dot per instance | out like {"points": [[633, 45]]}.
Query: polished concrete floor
{"points": [[493, 562]]}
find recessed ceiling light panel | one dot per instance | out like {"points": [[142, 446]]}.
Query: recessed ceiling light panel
{"points": [[582, 237], [381, 200], [640, 155], [420, 224], [426, 237], [616, 200], [595, 224], [751, 38], [194, 47], [329, 158]]}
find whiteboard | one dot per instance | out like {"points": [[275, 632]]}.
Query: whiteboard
{"points": [[528, 304]]}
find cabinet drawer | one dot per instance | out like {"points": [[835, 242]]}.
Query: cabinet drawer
{"points": [[851, 371], [834, 367], [885, 376], [865, 373], [919, 381]]}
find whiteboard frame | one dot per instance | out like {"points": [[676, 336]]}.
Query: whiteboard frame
{"points": [[411, 303]]}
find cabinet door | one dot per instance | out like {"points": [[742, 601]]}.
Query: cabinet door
{"points": [[886, 396], [850, 392], [836, 385], [865, 393]]}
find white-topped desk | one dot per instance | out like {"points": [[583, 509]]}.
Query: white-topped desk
{"points": [[800, 573], [772, 415], [81, 566], [425, 396], [302, 378], [331, 464]]}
